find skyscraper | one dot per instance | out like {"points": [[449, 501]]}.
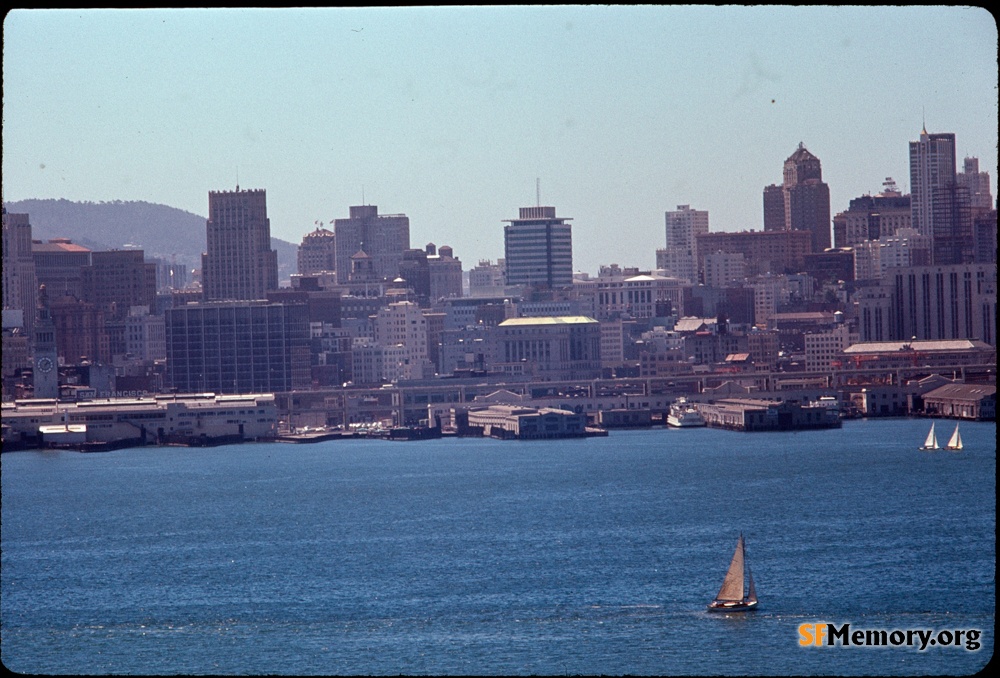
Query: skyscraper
{"points": [[538, 249], [239, 263], [932, 166], [383, 237], [20, 286], [806, 199], [681, 255]]}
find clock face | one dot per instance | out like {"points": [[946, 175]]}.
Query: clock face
{"points": [[45, 364]]}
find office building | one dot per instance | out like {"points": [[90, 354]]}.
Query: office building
{"points": [[538, 249], [383, 237], [318, 252], [403, 325], [59, 265], [932, 167], [871, 217], [445, 272], [931, 303], [805, 200], [951, 228], [117, 280], [763, 251], [550, 349], [978, 183], [238, 347], [239, 263], [487, 279], [20, 286], [681, 255]]}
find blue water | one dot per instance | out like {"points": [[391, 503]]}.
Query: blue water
{"points": [[485, 557]]}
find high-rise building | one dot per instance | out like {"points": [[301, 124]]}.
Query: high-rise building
{"points": [[774, 208], [951, 217], [763, 251], [805, 199], [932, 166], [402, 324], [978, 184], [446, 272], [487, 279], [932, 303], [383, 237], [117, 280], [873, 217], [20, 286], [59, 265], [318, 252], [984, 238], [238, 347], [538, 249], [239, 263], [681, 252]]}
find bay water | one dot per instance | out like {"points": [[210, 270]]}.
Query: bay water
{"points": [[476, 556]]}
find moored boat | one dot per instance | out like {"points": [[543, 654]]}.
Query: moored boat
{"points": [[684, 415]]}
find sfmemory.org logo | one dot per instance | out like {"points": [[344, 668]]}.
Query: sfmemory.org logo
{"points": [[818, 635]]}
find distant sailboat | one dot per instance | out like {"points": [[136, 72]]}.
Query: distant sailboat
{"points": [[931, 443], [732, 597], [956, 441]]}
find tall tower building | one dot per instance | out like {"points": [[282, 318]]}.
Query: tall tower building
{"points": [[383, 237], [20, 287], [681, 253], [240, 263], [538, 249], [45, 370], [932, 167], [805, 199]]}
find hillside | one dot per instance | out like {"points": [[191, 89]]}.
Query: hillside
{"points": [[161, 231]]}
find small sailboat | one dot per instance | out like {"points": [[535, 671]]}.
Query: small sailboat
{"points": [[956, 441], [931, 443], [732, 596]]}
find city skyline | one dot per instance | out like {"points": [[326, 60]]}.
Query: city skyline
{"points": [[457, 117]]}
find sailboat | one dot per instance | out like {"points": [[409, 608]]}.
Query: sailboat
{"points": [[732, 597], [956, 441], [931, 443]]}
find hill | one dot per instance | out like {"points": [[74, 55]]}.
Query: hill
{"points": [[161, 231]]}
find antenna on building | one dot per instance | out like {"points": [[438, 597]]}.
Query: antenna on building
{"points": [[237, 178], [538, 192]]}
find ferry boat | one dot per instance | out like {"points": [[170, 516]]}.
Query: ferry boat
{"points": [[684, 415]]}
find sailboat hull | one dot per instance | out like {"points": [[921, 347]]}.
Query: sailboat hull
{"points": [[732, 606]]}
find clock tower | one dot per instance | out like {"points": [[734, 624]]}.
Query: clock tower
{"points": [[45, 368]]}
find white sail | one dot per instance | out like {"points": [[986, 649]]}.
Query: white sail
{"points": [[931, 443], [732, 585], [956, 440]]}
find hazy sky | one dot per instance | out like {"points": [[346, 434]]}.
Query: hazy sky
{"points": [[450, 115]]}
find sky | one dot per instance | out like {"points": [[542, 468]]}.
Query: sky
{"points": [[458, 116]]}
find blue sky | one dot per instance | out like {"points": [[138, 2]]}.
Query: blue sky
{"points": [[450, 115]]}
